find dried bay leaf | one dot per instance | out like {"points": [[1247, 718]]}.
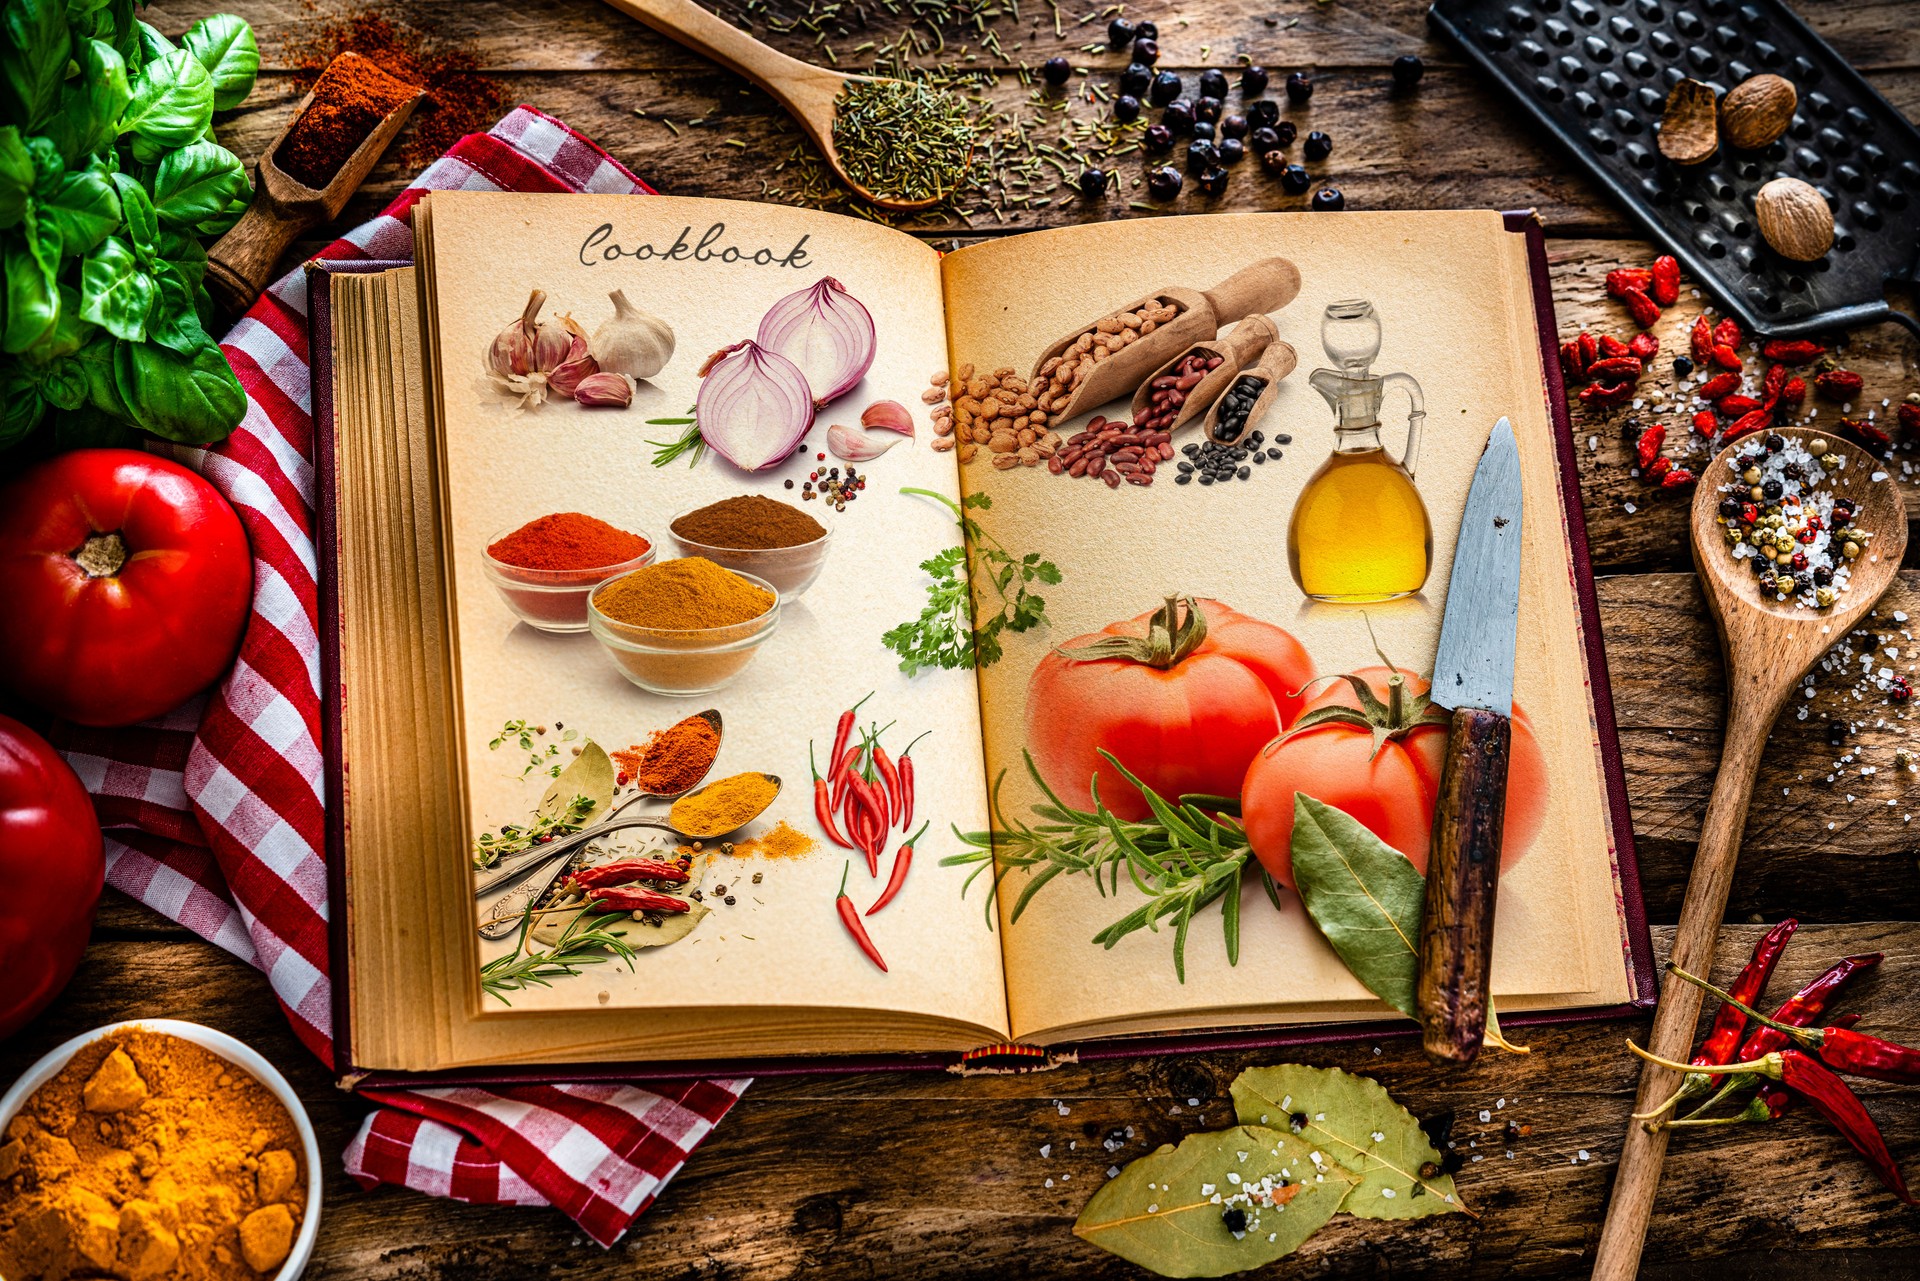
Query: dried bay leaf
{"points": [[673, 927], [1355, 1120], [591, 776], [1363, 894], [1166, 1210]]}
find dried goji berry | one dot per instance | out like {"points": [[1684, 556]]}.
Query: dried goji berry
{"points": [[1727, 333], [1614, 368], [1570, 360], [1647, 448], [1676, 478], [1645, 312], [1719, 385], [1793, 392], [1705, 423], [1838, 384], [1776, 379], [1645, 346], [1736, 405], [1589, 349], [1624, 280], [1909, 415], [1611, 348], [1659, 469], [1665, 287], [1746, 425], [1600, 396], [1700, 340], [1725, 356], [1793, 351]]}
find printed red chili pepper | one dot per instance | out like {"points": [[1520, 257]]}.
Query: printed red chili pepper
{"points": [[1647, 448], [850, 917], [621, 899], [1645, 312], [843, 734], [1727, 333], [1793, 351], [902, 861], [1644, 346], [1838, 384], [1700, 340], [1719, 385], [1665, 283], [1610, 348], [628, 870], [890, 779], [1624, 280], [906, 782], [823, 805]]}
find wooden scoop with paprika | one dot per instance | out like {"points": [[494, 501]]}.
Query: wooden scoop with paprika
{"points": [[307, 176]]}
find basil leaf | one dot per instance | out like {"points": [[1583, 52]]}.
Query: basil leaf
{"points": [[95, 360], [174, 322], [68, 335], [193, 398], [33, 59], [21, 406], [224, 221], [1363, 894], [224, 45], [84, 208], [172, 101], [90, 102], [183, 252], [16, 176], [140, 224], [116, 292], [32, 259], [196, 182], [153, 44], [1355, 1120], [48, 166]]}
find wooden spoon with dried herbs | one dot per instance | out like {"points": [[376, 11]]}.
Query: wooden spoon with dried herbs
{"points": [[900, 145]]}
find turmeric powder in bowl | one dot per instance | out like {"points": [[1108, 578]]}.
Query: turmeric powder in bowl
{"points": [[683, 627], [148, 1157]]}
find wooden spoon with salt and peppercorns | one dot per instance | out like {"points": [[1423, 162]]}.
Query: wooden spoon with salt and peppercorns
{"points": [[1769, 645]]}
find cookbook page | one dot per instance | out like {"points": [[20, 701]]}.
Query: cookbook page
{"points": [[1307, 554], [751, 562]]}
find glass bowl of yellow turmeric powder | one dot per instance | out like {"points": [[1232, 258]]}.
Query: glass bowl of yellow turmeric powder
{"points": [[683, 627], [233, 1194]]}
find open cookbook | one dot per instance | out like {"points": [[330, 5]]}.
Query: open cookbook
{"points": [[754, 639]]}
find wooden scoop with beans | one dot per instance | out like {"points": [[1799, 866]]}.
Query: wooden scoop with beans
{"points": [[1102, 360], [1185, 386], [1275, 364]]}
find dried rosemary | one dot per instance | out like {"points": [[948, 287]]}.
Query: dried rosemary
{"points": [[902, 139]]}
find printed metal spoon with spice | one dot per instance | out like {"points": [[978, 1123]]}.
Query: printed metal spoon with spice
{"points": [[1162, 403], [1100, 360], [306, 177], [900, 146], [1245, 402]]}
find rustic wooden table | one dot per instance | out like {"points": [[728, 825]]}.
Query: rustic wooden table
{"points": [[934, 1176]]}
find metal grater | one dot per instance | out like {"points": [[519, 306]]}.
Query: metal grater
{"points": [[1596, 73]]}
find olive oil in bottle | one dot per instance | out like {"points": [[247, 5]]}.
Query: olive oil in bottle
{"points": [[1360, 531]]}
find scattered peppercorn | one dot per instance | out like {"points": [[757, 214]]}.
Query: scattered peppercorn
{"points": [[1407, 70], [1213, 83], [1164, 183], [1201, 154], [1151, 30], [1126, 108], [1299, 88], [1207, 109], [1233, 126], [1119, 33], [1288, 131], [1178, 116], [1253, 81], [1232, 151], [1318, 146], [1235, 1219], [1328, 198], [1682, 367], [1262, 140], [1264, 114], [1213, 180], [1203, 129], [1093, 182], [1056, 70], [1146, 50], [1165, 88], [1158, 139], [1274, 162], [1294, 180], [1136, 78]]}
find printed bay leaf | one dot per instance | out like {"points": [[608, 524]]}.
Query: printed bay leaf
{"points": [[635, 934], [1355, 1120], [1165, 1211], [590, 775], [1363, 895]]}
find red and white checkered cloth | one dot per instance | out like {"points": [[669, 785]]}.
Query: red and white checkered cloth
{"points": [[214, 811]]}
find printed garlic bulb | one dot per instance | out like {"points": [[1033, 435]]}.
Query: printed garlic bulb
{"points": [[635, 343], [512, 352]]}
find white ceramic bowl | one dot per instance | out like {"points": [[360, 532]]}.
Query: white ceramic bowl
{"points": [[235, 1052]]}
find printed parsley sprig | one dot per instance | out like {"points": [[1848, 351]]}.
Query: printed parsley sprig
{"points": [[970, 605], [1188, 855]]}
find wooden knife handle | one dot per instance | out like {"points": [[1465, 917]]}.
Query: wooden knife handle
{"points": [[1463, 874]]}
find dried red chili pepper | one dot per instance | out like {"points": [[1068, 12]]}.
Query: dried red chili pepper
{"points": [[1677, 478], [1776, 378], [622, 899], [1589, 349], [626, 871], [1729, 1022], [1747, 424], [1828, 1095], [850, 917], [1602, 397], [1624, 280], [1726, 357], [1793, 392], [1644, 346], [1610, 348], [1647, 448], [1719, 385], [1645, 312], [1700, 340], [1908, 416], [1570, 360], [1735, 405], [1665, 286], [902, 861], [1793, 351], [1727, 333], [1705, 423], [1867, 433], [1838, 384]]}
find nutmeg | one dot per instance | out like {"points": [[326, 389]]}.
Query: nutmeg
{"points": [[1689, 128], [1794, 219], [1757, 110]]}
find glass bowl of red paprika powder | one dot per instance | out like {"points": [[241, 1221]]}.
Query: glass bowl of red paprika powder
{"points": [[547, 568]]}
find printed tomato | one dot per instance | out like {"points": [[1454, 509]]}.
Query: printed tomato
{"points": [[51, 864], [1379, 758], [1183, 696], [127, 581]]}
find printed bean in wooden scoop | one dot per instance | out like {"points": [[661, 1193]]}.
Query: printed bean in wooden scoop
{"points": [[1247, 341], [1177, 318], [1275, 364]]}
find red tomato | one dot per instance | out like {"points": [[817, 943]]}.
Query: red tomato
{"points": [[51, 866], [1185, 713], [1392, 794], [127, 581]]}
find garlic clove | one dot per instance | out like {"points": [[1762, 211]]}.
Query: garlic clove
{"points": [[854, 446], [634, 342], [604, 391], [888, 415], [565, 377]]}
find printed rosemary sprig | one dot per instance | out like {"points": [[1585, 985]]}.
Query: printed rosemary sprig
{"points": [[586, 941], [688, 441], [1191, 853]]}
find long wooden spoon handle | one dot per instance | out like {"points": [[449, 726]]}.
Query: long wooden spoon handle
{"points": [[705, 32], [1641, 1155]]}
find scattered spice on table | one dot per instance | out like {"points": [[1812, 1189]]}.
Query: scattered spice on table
{"points": [[350, 99], [749, 522], [461, 98], [670, 761], [1213, 463], [567, 541], [726, 805], [904, 139], [150, 1157], [688, 594], [831, 487]]}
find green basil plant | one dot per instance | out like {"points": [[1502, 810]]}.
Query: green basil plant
{"points": [[110, 178]]}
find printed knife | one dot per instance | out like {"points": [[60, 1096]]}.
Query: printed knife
{"points": [[1473, 678]]}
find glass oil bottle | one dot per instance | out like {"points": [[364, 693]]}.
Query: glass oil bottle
{"points": [[1360, 531]]}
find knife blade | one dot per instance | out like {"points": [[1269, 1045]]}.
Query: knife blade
{"points": [[1473, 678]]}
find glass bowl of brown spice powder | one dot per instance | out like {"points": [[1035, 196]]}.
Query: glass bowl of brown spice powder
{"points": [[753, 534], [683, 627]]}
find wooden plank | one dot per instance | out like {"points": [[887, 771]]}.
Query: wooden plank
{"points": [[932, 1175]]}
